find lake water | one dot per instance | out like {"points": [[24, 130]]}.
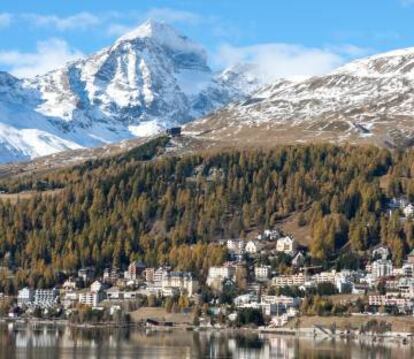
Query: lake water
{"points": [[63, 342]]}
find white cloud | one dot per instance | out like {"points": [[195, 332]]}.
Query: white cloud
{"points": [[82, 21], [278, 60], [5, 19], [49, 55], [117, 23]]}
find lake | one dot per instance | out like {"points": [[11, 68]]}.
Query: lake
{"points": [[19, 341]]}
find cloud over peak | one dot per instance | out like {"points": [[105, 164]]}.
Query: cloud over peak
{"points": [[280, 60]]}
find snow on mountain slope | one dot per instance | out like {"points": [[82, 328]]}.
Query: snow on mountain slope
{"points": [[368, 100], [151, 78]]}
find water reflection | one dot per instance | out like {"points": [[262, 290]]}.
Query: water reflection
{"points": [[47, 341]]}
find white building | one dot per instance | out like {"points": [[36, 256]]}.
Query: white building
{"points": [[262, 273], [218, 274], [325, 277], [183, 281], [286, 245], [252, 247], [286, 302], [25, 296], [381, 268], [159, 274], [235, 246], [70, 285], [408, 210], [45, 297], [91, 299], [244, 299], [271, 234], [289, 280], [70, 299], [96, 286]]}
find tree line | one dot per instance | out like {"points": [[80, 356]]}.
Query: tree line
{"points": [[171, 210]]}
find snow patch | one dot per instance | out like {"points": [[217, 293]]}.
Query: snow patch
{"points": [[145, 129]]}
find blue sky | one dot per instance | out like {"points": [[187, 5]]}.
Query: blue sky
{"points": [[287, 37]]}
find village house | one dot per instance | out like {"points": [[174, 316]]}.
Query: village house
{"points": [[182, 281], [269, 305], [381, 268], [159, 274], [45, 297], [244, 299], [94, 296], [288, 280], [216, 275], [91, 298], [135, 269], [25, 297], [262, 273], [235, 246], [96, 286], [70, 299], [285, 301], [286, 245], [252, 247], [325, 277], [40, 297], [70, 284]]}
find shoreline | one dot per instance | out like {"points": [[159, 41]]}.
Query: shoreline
{"points": [[405, 337]]}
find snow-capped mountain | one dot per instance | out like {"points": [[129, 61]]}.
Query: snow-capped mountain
{"points": [[149, 79], [368, 100]]}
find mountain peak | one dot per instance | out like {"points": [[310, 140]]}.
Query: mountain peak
{"points": [[164, 35], [150, 29]]}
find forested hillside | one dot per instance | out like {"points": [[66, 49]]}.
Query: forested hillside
{"points": [[172, 210]]}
